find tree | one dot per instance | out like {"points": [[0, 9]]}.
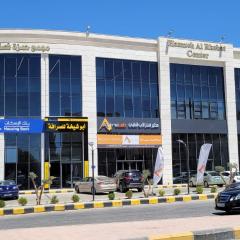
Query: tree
{"points": [[233, 168], [39, 189], [146, 174]]}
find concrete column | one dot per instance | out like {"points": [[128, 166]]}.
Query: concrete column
{"points": [[44, 101], [89, 104], [165, 111], [230, 99], [2, 158]]}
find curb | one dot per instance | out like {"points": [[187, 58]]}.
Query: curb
{"points": [[69, 190], [28, 192], [103, 204], [219, 234]]}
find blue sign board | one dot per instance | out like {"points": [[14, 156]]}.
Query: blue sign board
{"points": [[21, 125]]}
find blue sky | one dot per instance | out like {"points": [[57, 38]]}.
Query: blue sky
{"points": [[202, 19]]}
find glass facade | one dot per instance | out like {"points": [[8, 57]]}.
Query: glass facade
{"points": [[218, 155], [113, 159], [64, 151], [127, 88], [22, 155], [237, 88], [65, 85], [20, 85], [197, 92]]}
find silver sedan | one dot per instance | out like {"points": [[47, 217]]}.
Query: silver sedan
{"points": [[102, 184]]}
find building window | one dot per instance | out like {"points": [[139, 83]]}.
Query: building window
{"points": [[22, 156], [218, 155], [20, 85], [199, 90], [237, 88], [127, 88], [65, 85]]}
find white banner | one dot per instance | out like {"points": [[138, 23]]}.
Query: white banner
{"points": [[202, 161], [159, 164]]}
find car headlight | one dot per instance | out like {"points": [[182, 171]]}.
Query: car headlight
{"points": [[237, 197], [15, 187], [1, 188]]}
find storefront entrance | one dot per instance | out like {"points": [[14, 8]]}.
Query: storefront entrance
{"points": [[111, 160], [66, 150]]}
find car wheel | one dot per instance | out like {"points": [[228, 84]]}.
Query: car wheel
{"points": [[121, 188], [140, 189], [206, 184], [191, 184], [77, 189], [220, 185]]}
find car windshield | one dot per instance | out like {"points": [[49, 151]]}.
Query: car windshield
{"points": [[5, 183], [213, 174]]}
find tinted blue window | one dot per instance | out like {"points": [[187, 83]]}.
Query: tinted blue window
{"points": [[202, 88], [237, 87], [65, 85], [20, 74], [127, 88]]}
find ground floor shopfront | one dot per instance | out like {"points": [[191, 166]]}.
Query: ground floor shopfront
{"points": [[54, 147]]}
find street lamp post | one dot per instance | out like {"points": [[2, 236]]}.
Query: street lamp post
{"points": [[188, 168], [91, 144]]}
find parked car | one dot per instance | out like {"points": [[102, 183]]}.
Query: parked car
{"points": [[129, 179], [228, 199], [209, 178], [9, 189], [70, 183], [226, 175], [102, 184]]}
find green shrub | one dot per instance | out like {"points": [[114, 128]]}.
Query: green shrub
{"points": [[176, 191], [2, 204], [161, 192], [75, 198], [54, 199], [111, 196], [129, 194], [22, 201], [213, 189], [199, 189]]}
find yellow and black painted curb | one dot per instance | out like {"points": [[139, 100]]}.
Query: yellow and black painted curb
{"points": [[67, 190], [70, 190], [221, 233], [104, 204]]}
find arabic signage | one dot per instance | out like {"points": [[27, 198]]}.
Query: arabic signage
{"points": [[66, 124], [128, 125], [195, 49], [128, 140], [15, 125], [19, 47]]}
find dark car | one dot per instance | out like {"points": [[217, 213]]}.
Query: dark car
{"points": [[129, 179], [8, 189], [229, 199]]}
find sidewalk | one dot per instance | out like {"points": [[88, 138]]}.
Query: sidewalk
{"points": [[123, 230]]}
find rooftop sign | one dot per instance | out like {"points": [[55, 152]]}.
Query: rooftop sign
{"points": [[196, 49], [18, 47]]}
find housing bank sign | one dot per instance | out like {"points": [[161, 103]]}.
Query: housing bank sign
{"points": [[14, 125]]}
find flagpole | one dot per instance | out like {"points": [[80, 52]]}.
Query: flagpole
{"points": [[188, 168]]}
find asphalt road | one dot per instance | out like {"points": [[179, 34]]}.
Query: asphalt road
{"points": [[110, 215]]}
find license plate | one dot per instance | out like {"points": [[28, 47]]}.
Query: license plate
{"points": [[7, 195], [220, 204]]}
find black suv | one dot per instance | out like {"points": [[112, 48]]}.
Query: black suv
{"points": [[229, 198], [128, 179]]}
